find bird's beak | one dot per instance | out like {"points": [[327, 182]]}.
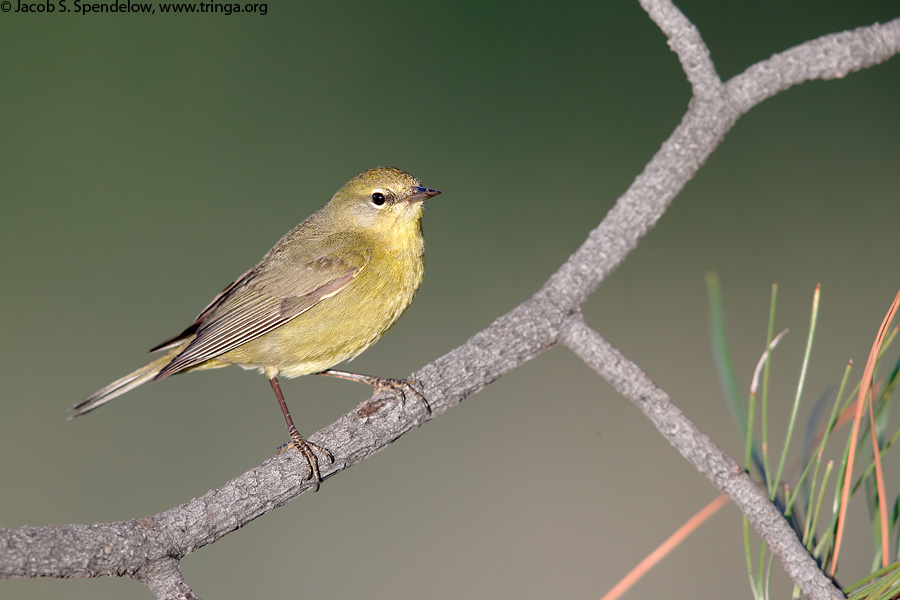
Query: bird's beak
{"points": [[420, 194]]}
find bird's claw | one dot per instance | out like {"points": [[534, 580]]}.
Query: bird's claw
{"points": [[400, 387], [308, 451]]}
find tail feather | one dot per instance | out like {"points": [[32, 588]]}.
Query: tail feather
{"points": [[120, 386]]}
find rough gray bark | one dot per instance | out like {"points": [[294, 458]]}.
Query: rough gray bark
{"points": [[149, 549]]}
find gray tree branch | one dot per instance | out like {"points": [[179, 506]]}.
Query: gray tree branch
{"points": [[721, 470], [149, 549]]}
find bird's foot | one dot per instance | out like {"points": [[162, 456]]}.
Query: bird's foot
{"points": [[402, 387], [308, 451], [398, 387]]}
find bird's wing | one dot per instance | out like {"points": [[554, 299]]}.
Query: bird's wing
{"points": [[253, 306], [204, 314]]}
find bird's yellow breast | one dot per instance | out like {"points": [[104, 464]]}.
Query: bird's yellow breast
{"points": [[341, 326]]}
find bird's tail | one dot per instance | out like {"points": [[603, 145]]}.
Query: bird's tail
{"points": [[125, 384]]}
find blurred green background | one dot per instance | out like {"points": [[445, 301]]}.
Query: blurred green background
{"points": [[146, 161]]}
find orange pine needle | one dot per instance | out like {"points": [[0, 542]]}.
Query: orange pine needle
{"points": [[864, 387], [670, 544], [879, 479]]}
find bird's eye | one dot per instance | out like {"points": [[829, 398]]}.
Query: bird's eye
{"points": [[377, 198]]}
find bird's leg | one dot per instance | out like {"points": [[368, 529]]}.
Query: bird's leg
{"points": [[306, 449], [398, 386]]}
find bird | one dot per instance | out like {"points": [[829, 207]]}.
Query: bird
{"points": [[325, 292]]}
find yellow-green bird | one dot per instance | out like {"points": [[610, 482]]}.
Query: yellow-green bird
{"points": [[329, 289]]}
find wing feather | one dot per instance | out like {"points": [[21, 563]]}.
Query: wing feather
{"points": [[193, 327], [244, 311]]}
